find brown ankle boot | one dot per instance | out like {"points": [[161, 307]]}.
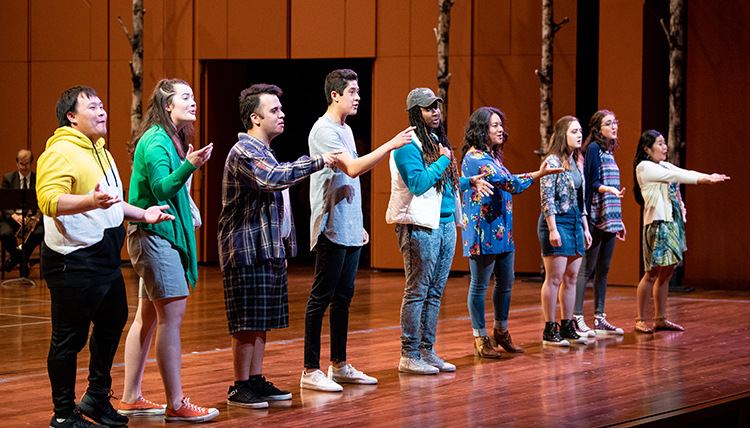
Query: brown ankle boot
{"points": [[482, 348], [503, 339]]}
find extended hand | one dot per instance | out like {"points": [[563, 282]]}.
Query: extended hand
{"points": [[446, 151], [103, 200], [155, 214], [401, 139], [546, 170], [199, 157], [613, 190], [480, 185], [330, 158]]}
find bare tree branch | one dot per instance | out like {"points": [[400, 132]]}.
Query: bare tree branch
{"points": [[549, 28], [557, 27], [127, 33], [676, 86], [442, 34], [136, 67]]}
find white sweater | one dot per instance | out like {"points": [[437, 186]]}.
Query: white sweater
{"points": [[654, 180]]}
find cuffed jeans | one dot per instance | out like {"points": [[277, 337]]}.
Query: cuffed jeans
{"points": [[335, 271], [597, 260], [481, 267], [428, 254], [73, 311]]}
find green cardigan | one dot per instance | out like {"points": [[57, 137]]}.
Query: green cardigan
{"points": [[159, 177]]}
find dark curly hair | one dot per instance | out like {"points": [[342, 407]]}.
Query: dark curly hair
{"points": [[477, 135], [431, 149]]}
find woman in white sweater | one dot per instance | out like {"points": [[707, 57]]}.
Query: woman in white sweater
{"points": [[657, 190]]}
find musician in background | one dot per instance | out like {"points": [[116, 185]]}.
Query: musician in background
{"points": [[10, 233]]}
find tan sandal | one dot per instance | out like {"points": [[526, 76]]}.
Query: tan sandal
{"points": [[642, 327], [662, 323]]}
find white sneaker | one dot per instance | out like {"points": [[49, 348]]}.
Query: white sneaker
{"points": [[416, 366], [581, 328], [348, 374], [318, 381], [432, 359]]}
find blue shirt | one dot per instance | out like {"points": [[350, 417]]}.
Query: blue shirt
{"points": [[488, 220]]}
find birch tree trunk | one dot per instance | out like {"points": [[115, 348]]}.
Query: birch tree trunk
{"points": [[675, 36], [549, 28], [442, 34], [136, 66]]}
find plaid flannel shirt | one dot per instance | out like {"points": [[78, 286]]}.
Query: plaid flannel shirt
{"points": [[252, 205]]}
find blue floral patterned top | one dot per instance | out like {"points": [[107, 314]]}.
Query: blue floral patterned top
{"points": [[488, 220]]}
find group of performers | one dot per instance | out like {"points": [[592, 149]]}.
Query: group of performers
{"points": [[80, 194]]}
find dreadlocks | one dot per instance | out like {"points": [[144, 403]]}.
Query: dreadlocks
{"points": [[431, 151]]}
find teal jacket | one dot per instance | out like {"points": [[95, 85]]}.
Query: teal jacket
{"points": [[159, 177]]}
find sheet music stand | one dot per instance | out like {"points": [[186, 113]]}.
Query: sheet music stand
{"points": [[25, 200]]}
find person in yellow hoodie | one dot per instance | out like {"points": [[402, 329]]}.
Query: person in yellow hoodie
{"points": [[80, 194]]}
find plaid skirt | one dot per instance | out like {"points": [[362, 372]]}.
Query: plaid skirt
{"points": [[256, 297]]}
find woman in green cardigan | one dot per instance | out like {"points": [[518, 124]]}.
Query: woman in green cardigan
{"points": [[163, 255]]}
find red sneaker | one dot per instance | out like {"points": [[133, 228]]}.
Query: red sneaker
{"points": [[141, 407], [190, 413]]}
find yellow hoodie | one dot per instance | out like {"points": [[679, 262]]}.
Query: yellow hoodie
{"points": [[73, 165]]}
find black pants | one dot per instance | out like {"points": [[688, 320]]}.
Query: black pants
{"points": [[335, 271], [73, 311]]}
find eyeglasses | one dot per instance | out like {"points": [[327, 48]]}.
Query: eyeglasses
{"points": [[611, 123]]}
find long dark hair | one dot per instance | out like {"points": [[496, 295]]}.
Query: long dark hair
{"points": [[648, 138], [157, 114], [430, 149], [477, 132], [595, 133], [558, 144]]}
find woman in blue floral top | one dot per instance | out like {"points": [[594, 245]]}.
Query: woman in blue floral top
{"points": [[488, 226], [563, 231]]}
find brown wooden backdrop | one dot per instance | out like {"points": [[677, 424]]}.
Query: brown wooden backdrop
{"points": [[49, 46]]}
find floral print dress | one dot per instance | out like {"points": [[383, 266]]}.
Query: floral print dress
{"points": [[488, 220]]}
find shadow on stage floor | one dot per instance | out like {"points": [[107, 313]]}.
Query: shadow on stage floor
{"points": [[699, 377]]}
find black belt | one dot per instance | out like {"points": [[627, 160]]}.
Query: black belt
{"points": [[445, 215]]}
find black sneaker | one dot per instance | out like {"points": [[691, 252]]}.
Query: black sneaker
{"points": [[268, 392], [244, 396], [75, 420], [568, 331], [551, 336], [101, 411]]}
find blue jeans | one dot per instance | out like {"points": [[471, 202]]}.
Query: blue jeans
{"points": [[428, 254], [481, 267], [596, 260]]}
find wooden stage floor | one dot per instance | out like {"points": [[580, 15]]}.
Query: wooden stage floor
{"points": [[613, 381]]}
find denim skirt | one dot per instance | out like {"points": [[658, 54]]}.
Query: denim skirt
{"points": [[570, 227]]}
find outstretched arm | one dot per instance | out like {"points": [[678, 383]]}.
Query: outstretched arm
{"points": [[356, 167]]}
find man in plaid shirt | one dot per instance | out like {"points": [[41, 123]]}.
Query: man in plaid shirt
{"points": [[256, 235]]}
